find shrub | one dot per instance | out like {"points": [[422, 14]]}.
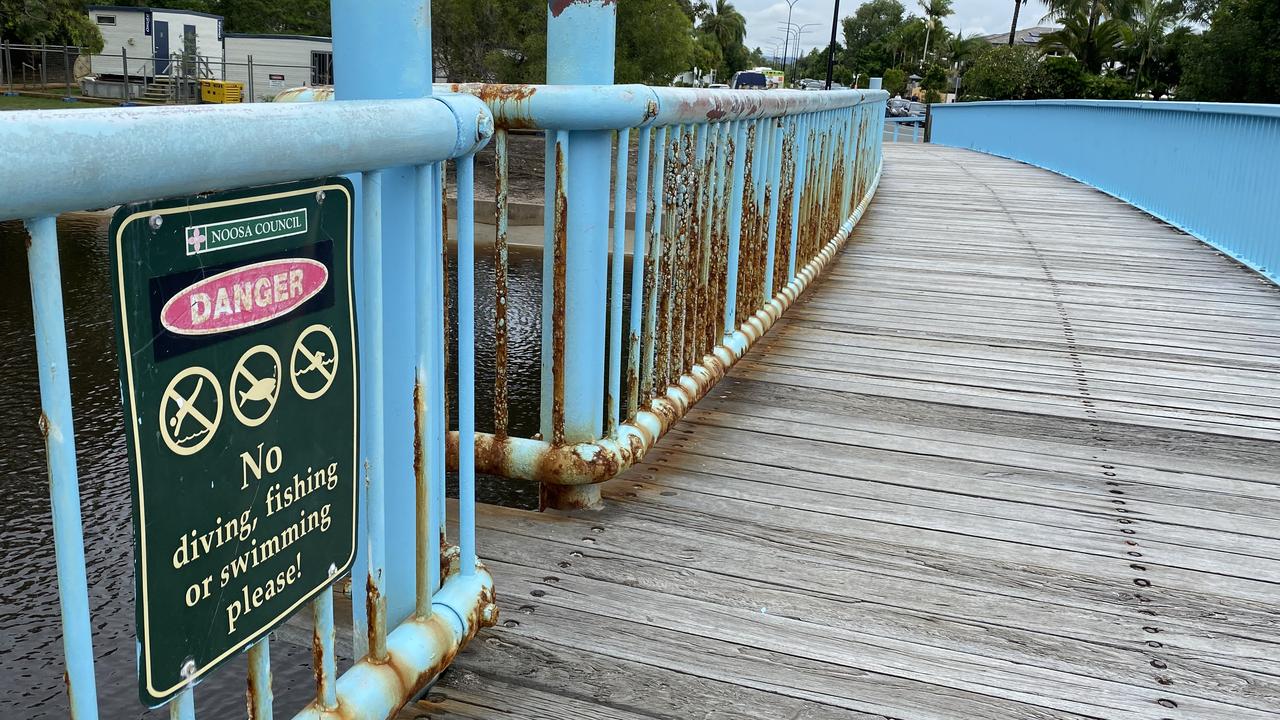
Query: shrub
{"points": [[1107, 87], [1005, 73], [1064, 77]]}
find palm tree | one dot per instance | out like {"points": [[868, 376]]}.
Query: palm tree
{"points": [[727, 24], [1150, 22], [1091, 44], [934, 11], [1013, 26], [1088, 15]]}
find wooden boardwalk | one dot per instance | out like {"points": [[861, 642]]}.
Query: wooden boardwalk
{"points": [[1015, 457]]}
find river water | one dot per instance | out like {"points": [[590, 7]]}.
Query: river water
{"points": [[31, 662]]}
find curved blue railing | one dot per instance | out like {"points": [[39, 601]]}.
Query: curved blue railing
{"points": [[1211, 169]]}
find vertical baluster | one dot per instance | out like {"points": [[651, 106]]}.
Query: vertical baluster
{"points": [[672, 187], [797, 193], [260, 697], [735, 227], [181, 707], [375, 453], [438, 529], [500, 264], [775, 176], [326, 669], [64, 491], [652, 275], [429, 298], [615, 280], [698, 253], [719, 220], [560, 257], [638, 271], [466, 365]]}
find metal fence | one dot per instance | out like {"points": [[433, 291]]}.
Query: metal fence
{"points": [[44, 68], [904, 129], [1207, 168], [741, 200], [43, 158]]}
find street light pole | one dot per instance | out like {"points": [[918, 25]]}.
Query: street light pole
{"points": [[831, 49], [790, 6]]}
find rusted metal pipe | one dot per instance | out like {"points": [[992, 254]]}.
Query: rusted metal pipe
{"points": [[559, 465]]}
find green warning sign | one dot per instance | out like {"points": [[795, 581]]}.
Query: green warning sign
{"points": [[236, 329]]}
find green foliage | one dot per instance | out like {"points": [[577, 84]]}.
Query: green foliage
{"points": [[1064, 77], [1092, 45], [56, 22], [1238, 58], [724, 23], [869, 35], [1107, 87], [895, 81], [1006, 72], [655, 41]]}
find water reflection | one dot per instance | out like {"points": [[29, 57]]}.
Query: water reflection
{"points": [[31, 661]]}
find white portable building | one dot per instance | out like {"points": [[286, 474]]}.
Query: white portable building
{"points": [[279, 62], [149, 37]]}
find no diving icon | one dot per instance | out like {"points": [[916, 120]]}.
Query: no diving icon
{"points": [[190, 410]]}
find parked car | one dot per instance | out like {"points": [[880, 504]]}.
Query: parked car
{"points": [[897, 107], [748, 80], [810, 84], [718, 86]]}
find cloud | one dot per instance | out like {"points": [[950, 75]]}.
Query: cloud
{"points": [[766, 18]]}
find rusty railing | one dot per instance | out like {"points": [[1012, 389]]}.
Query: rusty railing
{"points": [[740, 200]]}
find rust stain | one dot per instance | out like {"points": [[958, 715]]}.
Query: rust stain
{"points": [[559, 6], [375, 611], [560, 241], [500, 263]]}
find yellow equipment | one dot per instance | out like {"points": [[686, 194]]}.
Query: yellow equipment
{"points": [[221, 91]]}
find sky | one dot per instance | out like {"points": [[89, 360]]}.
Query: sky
{"points": [[766, 17]]}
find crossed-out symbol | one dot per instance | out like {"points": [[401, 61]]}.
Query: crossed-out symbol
{"points": [[317, 348], [186, 429], [247, 389]]}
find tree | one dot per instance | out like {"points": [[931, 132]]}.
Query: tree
{"points": [[868, 35], [1238, 58], [1013, 26], [1007, 72], [57, 22], [728, 27], [1064, 77], [655, 41], [934, 11], [895, 81], [933, 82], [1150, 24], [1092, 45]]}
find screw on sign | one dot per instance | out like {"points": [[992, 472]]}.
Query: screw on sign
{"points": [[243, 481]]}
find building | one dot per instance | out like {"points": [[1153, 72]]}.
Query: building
{"points": [[143, 42], [278, 62], [1025, 36], [150, 37]]}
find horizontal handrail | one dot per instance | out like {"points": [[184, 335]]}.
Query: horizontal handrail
{"points": [[65, 160], [615, 107], [1210, 169]]}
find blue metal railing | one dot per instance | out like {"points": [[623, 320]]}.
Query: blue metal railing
{"points": [[904, 129], [740, 200], [59, 161], [1210, 169]]}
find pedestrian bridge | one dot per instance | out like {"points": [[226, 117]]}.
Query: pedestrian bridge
{"points": [[1014, 457], [823, 426]]}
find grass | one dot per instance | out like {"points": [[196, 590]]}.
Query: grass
{"points": [[23, 102]]}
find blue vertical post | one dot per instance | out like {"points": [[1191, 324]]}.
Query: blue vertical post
{"points": [[383, 50], [580, 50], [60, 445], [374, 423], [466, 366]]}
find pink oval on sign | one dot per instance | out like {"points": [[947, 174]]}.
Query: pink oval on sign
{"points": [[243, 297]]}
